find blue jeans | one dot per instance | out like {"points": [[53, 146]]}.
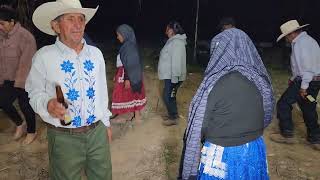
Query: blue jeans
{"points": [[169, 97]]}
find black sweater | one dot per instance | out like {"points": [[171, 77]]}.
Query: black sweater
{"points": [[234, 113]]}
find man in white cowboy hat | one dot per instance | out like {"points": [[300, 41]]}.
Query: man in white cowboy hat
{"points": [[303, 86], [80, 71]]}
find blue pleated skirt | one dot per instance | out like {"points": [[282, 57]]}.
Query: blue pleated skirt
{"points": [[244, 162]]}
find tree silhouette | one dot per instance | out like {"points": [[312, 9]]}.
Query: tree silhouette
{"points": [[25, 9]]}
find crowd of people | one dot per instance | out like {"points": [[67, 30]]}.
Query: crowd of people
{"points": [[227, 116]]}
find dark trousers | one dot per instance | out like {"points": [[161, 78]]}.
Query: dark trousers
{"points": [[8, 94], [310, 116], [169, 97]]}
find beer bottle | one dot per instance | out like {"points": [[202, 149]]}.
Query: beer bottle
{"points": [[60, 98]]}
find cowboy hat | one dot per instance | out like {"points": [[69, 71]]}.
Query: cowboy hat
{"points": [[47, 12], [289, 27]]}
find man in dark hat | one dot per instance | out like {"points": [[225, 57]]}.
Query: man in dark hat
{"points": [[227, 23]]}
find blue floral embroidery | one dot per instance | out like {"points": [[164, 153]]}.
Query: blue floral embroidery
{"points": [[91, 119], [88, 65], [90, 92], [89, 78], [76, 121], [67, 66], [73, 94]]}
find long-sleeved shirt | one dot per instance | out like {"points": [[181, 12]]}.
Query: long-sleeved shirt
{"points": [[16, 51], [82, 78], [305, 59]]}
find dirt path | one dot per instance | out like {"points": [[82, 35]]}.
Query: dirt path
{"points": [[139, 153]]}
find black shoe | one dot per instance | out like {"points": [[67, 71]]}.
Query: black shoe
{"points": [[313, 139], [287, 133]]}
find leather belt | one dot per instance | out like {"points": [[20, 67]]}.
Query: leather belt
{"points": [[79, 130], [315, 78]]}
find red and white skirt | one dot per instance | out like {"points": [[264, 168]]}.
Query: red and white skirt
{"points": [[124, 100]]}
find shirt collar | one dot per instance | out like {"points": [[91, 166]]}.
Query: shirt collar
{"points": [[16, 27], [66, 50], [299, 37]]}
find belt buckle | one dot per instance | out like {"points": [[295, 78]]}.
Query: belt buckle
{"points": [[75, 130], [81, 130], [87, 128]]}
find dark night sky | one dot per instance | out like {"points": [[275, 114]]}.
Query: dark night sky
{"points": [[260, 19]]}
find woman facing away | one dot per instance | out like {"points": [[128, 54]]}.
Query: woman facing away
{"points": [[128, 93], [172, 69], [228, 114]]}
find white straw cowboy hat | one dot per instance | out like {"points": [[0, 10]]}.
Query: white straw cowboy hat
{"points": [[289, 27], [47, 12]]}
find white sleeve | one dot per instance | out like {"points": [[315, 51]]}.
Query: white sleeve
{"points": [[36, 88], [103, 89], [306, 62]]}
